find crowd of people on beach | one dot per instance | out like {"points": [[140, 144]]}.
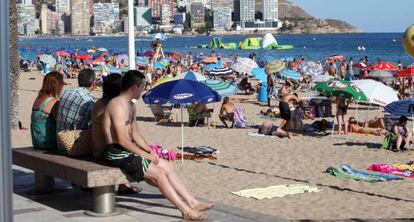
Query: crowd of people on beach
{"points": [[113, 116]]}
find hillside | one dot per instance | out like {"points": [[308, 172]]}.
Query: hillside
{"points": [[296, 21]]}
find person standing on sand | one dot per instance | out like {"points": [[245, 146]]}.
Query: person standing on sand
{"points": [[128, 150], [341, 112], [285, 109], [270, 86]]}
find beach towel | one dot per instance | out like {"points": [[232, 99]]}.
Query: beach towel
{"points": [[163, 153], [347, 172], [256, 134], [408, 166], [390, 169], [276, 191], [201, 150], [239, 118]]}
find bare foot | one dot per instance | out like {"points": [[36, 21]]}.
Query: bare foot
{"points": [[289, 136], [203, 206], [194, 215]]}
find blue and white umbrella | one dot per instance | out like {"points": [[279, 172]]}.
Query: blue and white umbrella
{"points": [[260, 74], [404, 107], [190, 75], [48, 59], [221, 71], [181, 92], [311, 68], [290, 74], [211, 66], [221, 87], [159, 36]]}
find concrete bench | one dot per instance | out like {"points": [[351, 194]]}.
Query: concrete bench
{"points": [[81, 171]]}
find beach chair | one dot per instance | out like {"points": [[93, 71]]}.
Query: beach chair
{"points": [[194, 118], [162, 113]]}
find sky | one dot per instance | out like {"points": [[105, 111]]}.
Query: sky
{"points": [[367, 15]]}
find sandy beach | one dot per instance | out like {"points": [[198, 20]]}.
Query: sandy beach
{"points": [[250, 162]]}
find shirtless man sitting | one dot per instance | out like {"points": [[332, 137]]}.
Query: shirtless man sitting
{"points": [[127, 149], [270, 129], [227, 112]]}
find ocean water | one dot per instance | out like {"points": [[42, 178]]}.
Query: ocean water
{"points": [[385, 46]]}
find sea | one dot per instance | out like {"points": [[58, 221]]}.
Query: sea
{"points": [[316, 47]]}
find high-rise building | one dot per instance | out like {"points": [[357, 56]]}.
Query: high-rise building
{"points": [[166, 15], [197, 14], [247, 9], [26, 19], [80, 17], [63, 6], [105, 16], [222, 18], [156, 5], [143, 17], [25, 2], [43, 19], [270, 10], [142, 3], [222, 3]]}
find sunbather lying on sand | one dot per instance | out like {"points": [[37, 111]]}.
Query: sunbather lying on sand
{"points": [[270, 129], [270, 112], [355, 128], [373, 123]]}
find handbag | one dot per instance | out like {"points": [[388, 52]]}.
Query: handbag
{"points": [[75, 143]]}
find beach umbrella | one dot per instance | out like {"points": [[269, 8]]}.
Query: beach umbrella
{"points": [[260, 74], [190, 75], [384, 66], [82, 56], [221, 87], [159, 36], [342, 89], [322, 78], [140, 60], [99, 61], [227, 60], [244, 65], [290, 74], [120, 58], [407, 72], [181, 92], [335, 58], [380, 74], [221, 71], [211, 66], [275, 66], [311, 68], [362, 66], [404, 107], [48, 59], [209, 60], [97, 68], [376, 92], [160, 65], [102, 49], [91, 51], [28, 55], [62, 53], [164, 80]]}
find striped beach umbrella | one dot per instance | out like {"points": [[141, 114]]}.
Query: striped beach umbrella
{"points": [[404, 107], [190, 75], [221, 71], [221, 87], [384, 66], [48, 59], [290, 74], [311, 68]]}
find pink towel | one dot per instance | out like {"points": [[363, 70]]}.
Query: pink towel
{"points": [[163, 153], [386, 168]]}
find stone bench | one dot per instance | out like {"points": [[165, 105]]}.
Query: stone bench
{"points": [[81, 171]]}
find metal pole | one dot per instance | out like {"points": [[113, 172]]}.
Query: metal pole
{"points": [[6, 205], [182, 136], [131, 36]]}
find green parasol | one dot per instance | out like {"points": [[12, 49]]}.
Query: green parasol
{"points": [[342, 89]]}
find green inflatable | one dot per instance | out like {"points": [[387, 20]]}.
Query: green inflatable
{"points": [[217, 43]]}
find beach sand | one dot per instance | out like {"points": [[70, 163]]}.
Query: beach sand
{"points": [[246, 162]]}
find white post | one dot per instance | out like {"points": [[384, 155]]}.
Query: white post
{"points": [[182, 136], [131, 36], [6, 186]]}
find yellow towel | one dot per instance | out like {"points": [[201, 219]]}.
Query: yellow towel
{"points": [[404, 166], [276, 191]]}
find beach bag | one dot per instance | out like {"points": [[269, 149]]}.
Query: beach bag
{"points": [[239, 118], [75, 143], [388, 141]]}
